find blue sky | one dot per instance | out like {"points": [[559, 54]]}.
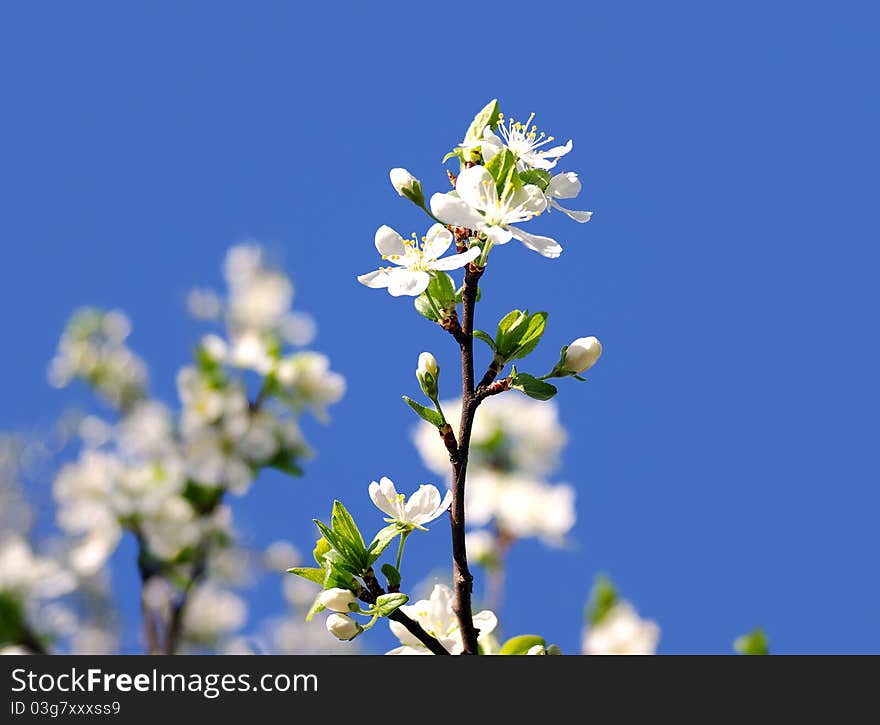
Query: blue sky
{"points": [[724, 450]]}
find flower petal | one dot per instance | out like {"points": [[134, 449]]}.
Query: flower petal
{"points": [[490, 145], [420, 650], [498, 235], [437, 241], [376, 280], [388, 242], [407, 638], [422, 504], [456, 261], [530, 199], [450, 209], [578, 216], [558, 151], [545, 246], [384, 495], [476, 187], [405, 282], [564, 186]]}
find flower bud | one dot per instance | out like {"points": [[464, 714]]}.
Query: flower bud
{"points": [[407, 185], [337, 600], [343, 627], [582, 354], [428, 374]]}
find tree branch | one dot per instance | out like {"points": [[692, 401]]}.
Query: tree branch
{"points": [[462, 578]]}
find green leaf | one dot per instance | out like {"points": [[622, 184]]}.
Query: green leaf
{"points": [[285, 461], [521, 644], [510, 329], [603, 598], [344, 525], [428, 414], [531, 386], [532, 336], [382, 541], [459, 291], [308, 572], [500, 166], [322, 546], [442, 289], [387, 603], [315, 608], [753, 643], [480, 335], [488, 116], [538, 177], [392, 575], [342, 551]]}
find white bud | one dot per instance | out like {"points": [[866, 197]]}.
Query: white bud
{"points": [[343, 627], [428, 364], [537, 649], [337, 600], [582, 354], [401, 179]]}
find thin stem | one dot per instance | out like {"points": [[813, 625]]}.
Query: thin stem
{"points": [[400, 549]]}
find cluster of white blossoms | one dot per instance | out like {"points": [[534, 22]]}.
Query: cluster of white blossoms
{"points": [[515, 446], [505, 181], [162, 475], [93, 348]]}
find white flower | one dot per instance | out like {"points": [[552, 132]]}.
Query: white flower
{"points": [[622, 632], [423, 506], [343, 627], [582, 354], [526, 143], [476, 205], [537, 649], [566, 186], [436, 617], [203, 404], [415, 261], [337, 600], [212, 461]]}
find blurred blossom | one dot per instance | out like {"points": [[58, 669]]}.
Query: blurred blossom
{"points": [[26, 575], [298, 329], [307, 377], [511, 432], [520, 506], [281, 556], [212, 613], [93, 349], [14, 649], [204, 304], [92, 640], [622, 632]]}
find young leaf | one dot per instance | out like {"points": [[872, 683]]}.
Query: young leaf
{"points": [[510, 329], [428, 414], [480, 335], [392, 575], [538, 177], [502, 166], [521, 644], [531, 386], [315, 608], [322, 546], [387, 603], [442, 289], [381, 541], [424, 308], [344, 525], [311, 573], [753, 643], [488, 116], [532, 336]]}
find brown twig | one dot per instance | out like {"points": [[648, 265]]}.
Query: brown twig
{"points": [[462, 578], [175, 623]]}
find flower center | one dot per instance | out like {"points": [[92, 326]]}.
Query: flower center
{"points": [[522, 138], [413, 257]]}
